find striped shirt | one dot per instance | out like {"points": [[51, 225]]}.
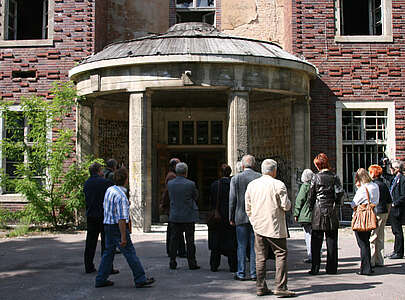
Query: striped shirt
{"points": [[116, 205]]}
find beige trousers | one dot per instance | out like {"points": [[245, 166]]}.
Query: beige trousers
{"points": [[377, 241], [279, 247]]}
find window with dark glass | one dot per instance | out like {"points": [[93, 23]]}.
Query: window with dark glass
{"points": [[188, 132], [202, 132], [216, 132], [195, 11], [26, 20], [361, 17], [364, 141], [173, 133]]}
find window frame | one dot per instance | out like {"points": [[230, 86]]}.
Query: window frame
{"points": [[194, 8], [388, 106], [385, 37], [25, 43], [15, 196]]}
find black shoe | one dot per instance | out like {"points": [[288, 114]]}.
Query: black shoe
{"points": [[145, 284], [264, 293], [105, 283], [194, 267], [173, 264], [114, 271], [366, 274], [214, 269], [91, 271], [396, 256], [236, 277]]}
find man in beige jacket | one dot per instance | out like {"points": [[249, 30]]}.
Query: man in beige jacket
{"points": [[266, 202]]}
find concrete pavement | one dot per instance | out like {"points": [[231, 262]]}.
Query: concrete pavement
{"points": [[50, 266]]}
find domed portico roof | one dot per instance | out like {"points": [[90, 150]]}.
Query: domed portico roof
{"points": [[185, 40]]}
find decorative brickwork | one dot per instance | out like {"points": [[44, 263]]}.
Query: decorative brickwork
{"points": [[348, 71]]}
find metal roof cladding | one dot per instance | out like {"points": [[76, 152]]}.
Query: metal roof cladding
{"points": [[193, 39]]}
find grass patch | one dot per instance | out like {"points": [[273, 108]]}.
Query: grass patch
{"points": [[20, 230]]}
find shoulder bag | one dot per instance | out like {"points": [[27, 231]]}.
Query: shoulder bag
{"points": [[364, 218]]}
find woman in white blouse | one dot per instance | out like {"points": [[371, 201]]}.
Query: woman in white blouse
{"points": [[365, 186]]}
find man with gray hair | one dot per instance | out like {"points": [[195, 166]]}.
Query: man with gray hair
{"points": [[397, 190], [238, 217], [183, 195], [266, 202]]}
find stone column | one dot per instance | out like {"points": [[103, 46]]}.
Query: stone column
{"points": [[238, 120], [140, 160], [84, 130], [301, 141]]}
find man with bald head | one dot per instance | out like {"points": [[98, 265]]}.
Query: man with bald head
{"points": [[239, 218]]}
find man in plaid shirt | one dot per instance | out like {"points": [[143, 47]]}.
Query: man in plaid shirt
{"points": [[116, 218]]}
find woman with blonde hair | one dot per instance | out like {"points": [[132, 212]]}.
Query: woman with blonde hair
{"points": [[383, 210], [367, 191]]}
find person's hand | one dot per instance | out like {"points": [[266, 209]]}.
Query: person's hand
{"points": [[232, 223], [123, 242], [296, 219]]}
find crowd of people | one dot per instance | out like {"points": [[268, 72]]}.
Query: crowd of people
{"points": [[247, 221]]}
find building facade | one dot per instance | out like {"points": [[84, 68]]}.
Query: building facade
{"points": [[334, 86]]}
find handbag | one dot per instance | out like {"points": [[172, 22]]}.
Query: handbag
{"points": [[214, 218], [364, 218]]}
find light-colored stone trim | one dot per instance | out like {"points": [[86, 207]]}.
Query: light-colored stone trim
{"points": [[226, 59], [28, 43], [140, 161], [12, 198], [386, 36], [369, 105], [238, 122]]}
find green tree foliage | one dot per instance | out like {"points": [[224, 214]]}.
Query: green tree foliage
{"points": [[40, 149]]}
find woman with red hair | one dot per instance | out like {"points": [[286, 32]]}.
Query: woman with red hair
{"points": [[324, 197], [383, 210]]}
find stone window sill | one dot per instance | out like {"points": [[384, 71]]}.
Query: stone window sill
{"points": [[25, 43], [12, 198], [364, 39]]}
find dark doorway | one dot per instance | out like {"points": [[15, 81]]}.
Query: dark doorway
{"points": [[203, 167]]}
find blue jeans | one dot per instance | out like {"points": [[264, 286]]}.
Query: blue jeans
{"points": [[245, 235], [112, 240]]}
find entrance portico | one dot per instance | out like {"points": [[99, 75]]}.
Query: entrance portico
{"points": [[197, 77]]}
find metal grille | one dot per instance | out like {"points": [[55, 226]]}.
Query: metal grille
{"points": [[364, 142]]}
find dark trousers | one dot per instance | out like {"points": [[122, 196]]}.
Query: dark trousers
{"points": [[279, 247], [181, 247], [177, 234], [363, 240], [396, 226], [215, 259], [332, 250], [95, 227]]}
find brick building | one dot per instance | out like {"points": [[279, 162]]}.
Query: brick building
{"points": [[352, 109]]}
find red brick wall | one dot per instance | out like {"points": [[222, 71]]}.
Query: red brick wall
{"points": [[348, 71], [73, 39]]}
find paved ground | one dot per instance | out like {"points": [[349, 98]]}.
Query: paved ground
{"points": [[51, 267]]}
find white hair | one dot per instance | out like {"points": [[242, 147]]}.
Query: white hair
{"points": [[268, 166], [397, 164], [248, 161], [306, 175], [181, 168]]}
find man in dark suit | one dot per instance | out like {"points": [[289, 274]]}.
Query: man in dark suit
{"points": [[238, 217], [94, 190], [183, 195], [397, 190]]}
